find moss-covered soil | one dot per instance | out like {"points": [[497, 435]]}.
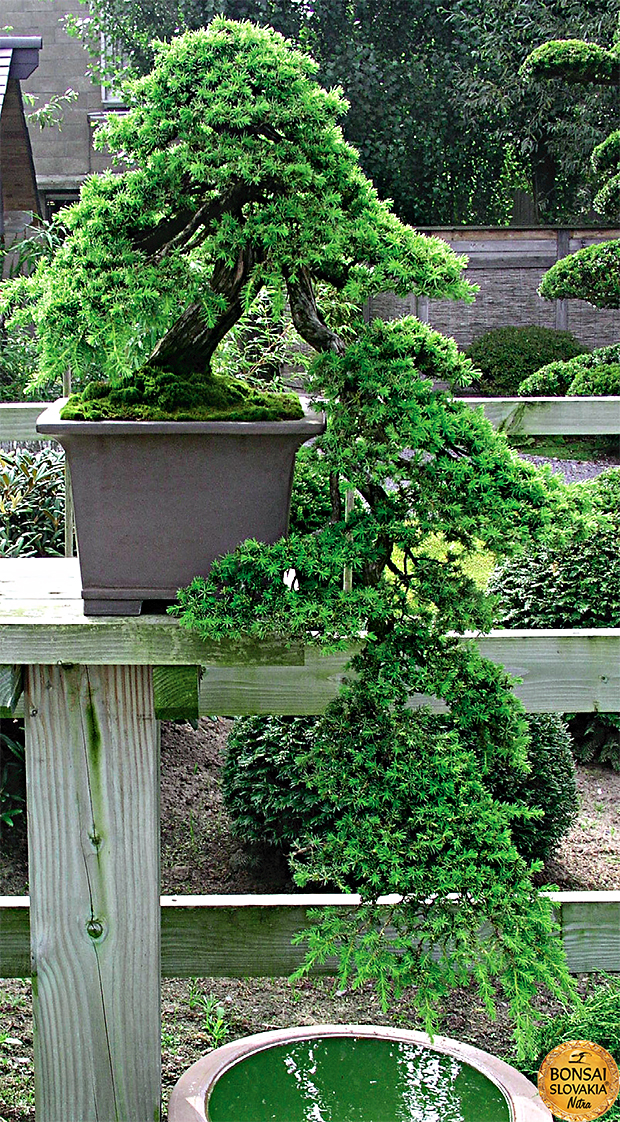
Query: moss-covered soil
{"points": [[159, 395]]}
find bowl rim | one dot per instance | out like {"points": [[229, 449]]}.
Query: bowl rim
{"points": [[189, 1101]]}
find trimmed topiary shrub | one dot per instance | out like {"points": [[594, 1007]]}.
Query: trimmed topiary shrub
{"points": [[602, 380], [265, 783], [550, 785], [556, 379], [270, 783], [576, 584], [573, 584], [507, 355]]}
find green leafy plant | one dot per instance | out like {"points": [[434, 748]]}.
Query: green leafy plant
{"points": [[270, 783], [405, 803], [602, 380], [596, 1018], [32, 501], [573, 582], [557, 378], [12, 771], [507, 355], [212, 1012]]}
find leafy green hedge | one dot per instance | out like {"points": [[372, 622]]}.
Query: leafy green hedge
{"points": [[596, 1018], [557, 379], [574, 60], [32, 502], [508, 355], [573, 582]]}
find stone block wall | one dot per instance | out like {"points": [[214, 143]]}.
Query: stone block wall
{"points": [[507, 265]]}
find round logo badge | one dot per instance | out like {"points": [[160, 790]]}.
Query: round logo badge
{"points": [[578, 1081]]}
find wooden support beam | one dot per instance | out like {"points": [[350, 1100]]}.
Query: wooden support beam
{"points": [[175, 690], [561, 671], [250, 936], [93, 837], [18, 420], [540, 416], [11, 686]]}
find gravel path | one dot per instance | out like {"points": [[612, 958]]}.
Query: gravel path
{"points": [[576, 471]]}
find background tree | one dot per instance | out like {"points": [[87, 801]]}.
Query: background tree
{"points": [[396, 63], [551, 135]]}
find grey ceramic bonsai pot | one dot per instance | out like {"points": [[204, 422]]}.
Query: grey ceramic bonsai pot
{"points": [[156, 502], [190, 1099]]}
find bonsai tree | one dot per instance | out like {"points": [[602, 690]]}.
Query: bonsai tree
{"points": [[237, 177], [402, 807]]}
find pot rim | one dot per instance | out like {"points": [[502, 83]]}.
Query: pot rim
{"points": [[189, 1099], [49, 423]]}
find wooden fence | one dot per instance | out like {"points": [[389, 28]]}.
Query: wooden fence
{"points": [[95, 933]]}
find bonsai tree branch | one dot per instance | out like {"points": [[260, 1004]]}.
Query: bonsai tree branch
{"points": [[307, 317]]}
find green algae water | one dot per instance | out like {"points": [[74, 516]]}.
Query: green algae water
{"points": [[349, 1079]]}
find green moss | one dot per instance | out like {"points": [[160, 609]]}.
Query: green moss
{"points": [[159, 395]]}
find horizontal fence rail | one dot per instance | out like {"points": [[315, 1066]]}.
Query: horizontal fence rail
{"points": [[250, 936], [527, 416], [42, 621]]}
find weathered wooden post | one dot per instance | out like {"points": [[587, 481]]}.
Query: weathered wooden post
{"points": [[92, 755]]}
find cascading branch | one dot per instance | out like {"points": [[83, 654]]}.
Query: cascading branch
{"points": [[237, 177], [403, 796]]}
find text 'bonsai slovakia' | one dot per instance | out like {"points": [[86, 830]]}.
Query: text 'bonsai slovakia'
{"points": [[237, 177]]}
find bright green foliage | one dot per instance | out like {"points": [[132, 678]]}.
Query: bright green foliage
{"points": [[573, 583], [265, 785], [596, 1018], [603, 380], [408, 802], [413, 816], [270, 783], [238, 177], [550, 785], [32, 502], [554, 379], [508, 355], [574, 60], [591, 274], [563, 586], [606, 166], [577, 61]]}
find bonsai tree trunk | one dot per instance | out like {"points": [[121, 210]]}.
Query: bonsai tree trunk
{"points": [[189, 344]]}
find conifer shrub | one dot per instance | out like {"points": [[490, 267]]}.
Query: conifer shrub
{"points": [[573, 581], [506, 356], [602, 380], [556, 379], [270, 783]]}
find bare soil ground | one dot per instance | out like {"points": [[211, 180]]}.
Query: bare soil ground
{"points": [[200, 854]]}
